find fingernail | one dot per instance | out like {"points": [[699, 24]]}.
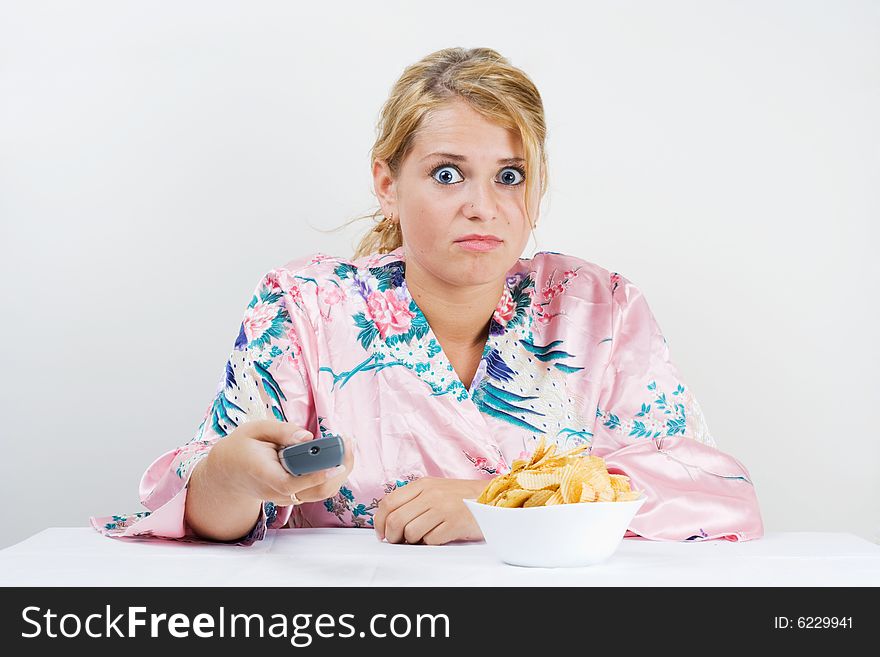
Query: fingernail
{"points": [[302, 434]]}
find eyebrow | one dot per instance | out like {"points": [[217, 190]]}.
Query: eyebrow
{"points": [[462, 158]]}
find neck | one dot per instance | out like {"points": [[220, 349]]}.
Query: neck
{"points": [[458, 316]]}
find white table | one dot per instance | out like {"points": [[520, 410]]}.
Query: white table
{"points": [[80, 556]]}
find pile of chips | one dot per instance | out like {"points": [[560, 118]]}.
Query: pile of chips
{"points": [[548, 478]]}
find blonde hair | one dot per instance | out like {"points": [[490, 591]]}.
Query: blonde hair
{"points": [[484, 79]]}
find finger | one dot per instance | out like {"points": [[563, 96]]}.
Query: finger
{"points": [[328, 487], [281, 479], [305, 490], [394, 500], [279, 501], [329, 480], [272, 481], [397, 520], [336, 477], [439, 535], [418, 527], [339, 476], [269, 493], [278, 433], [273, 494], [350, 447]]}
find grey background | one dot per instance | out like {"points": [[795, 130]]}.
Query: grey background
{"points": [[157, 158]]}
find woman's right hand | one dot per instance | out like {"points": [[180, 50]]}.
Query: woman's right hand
{"points": [[247, 462]]}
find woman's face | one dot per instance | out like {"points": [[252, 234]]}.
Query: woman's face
{"points": [[439, 199]]}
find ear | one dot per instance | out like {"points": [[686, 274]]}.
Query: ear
{"points": [[385, 187]]}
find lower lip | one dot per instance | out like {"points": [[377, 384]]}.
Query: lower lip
{"points": [[479, 245]]}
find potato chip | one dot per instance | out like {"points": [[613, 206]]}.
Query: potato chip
{"points": [[571, 484], [537, 455], [539, 498], [588, 493], [536, 480], [598, 477], [518, 465], [496, 487], [619, 482], [515, 497], [549, 477], [545, 459], [606, 495]]}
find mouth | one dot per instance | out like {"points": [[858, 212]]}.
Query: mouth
{"points": [[474, 236], [479, 244]]}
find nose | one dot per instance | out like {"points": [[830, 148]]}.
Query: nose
{"points": [[482, 204]]}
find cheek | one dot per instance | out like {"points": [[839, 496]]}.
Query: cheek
{"points": [[428, 221]]}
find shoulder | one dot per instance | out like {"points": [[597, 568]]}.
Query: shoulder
{"points": [[318, 276], [321, 266], [571, 281], [295, 283], [314, 268], [572, 275], [315, 263]]}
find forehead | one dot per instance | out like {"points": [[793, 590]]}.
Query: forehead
{"points": [[457, 127]]}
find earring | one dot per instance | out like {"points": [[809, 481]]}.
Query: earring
{"points": [[385, 224]]}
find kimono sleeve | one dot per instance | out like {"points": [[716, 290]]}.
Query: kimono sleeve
{"points": [[650, 428], [266, 376]]}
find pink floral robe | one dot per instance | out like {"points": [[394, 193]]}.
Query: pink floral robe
{"points": [[574, 354]]}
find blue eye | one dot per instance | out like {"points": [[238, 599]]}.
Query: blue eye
{"points": [[446, 175], [509, 179], [506, 176]]}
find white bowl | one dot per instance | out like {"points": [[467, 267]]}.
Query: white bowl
{"points": [[579, 534]]}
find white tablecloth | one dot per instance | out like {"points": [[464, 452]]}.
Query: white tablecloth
{"points": [[75, 556]]}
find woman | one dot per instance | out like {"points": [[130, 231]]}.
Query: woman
{"points": [[440, 356]]}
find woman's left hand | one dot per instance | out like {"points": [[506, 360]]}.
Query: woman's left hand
{"points": [[429, 510]]}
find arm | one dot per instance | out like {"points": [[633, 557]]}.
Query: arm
{"points": [[268, 374], [650, 428]]}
